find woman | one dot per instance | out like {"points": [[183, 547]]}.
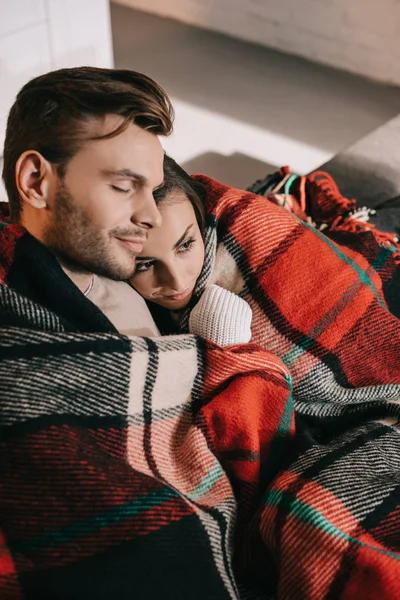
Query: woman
{"points": [[319, 307], [172, 260]]}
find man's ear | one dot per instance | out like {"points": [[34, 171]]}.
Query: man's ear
{"points": [[34, 178]]}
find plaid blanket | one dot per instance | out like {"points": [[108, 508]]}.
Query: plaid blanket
{"points": [[168, 467], [316, 200]]}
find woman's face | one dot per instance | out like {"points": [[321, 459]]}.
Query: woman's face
{"points": [[172, 257]]}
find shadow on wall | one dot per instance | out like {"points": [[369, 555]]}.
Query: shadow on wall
{"points": [[372, 184], [249, 83], [237, 170]]}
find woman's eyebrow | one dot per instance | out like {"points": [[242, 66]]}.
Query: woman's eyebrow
{"points": [[176, 245], [179, 242]]}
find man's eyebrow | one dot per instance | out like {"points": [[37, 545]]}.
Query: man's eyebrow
{"points": [[179, 242], [126, 173], [129, 174]]}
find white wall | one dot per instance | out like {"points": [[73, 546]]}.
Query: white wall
{"points": [[360, 36], [40, 35]]}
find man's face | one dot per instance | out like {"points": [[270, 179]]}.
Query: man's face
{"points": [[103, 207]]}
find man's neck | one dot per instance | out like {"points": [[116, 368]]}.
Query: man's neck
{"points": [[81, 279]]}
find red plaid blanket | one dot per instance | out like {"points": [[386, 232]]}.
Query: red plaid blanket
{"points": [[135, 467]]}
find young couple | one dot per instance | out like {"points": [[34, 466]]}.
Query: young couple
{"points": [[134, 464], [84, 175]]}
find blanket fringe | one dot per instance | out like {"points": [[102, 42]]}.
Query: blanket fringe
{"points": [[320, 203], [327, 201], [328, 206]]}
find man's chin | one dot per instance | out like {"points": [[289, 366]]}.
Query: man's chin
{"points": [[112, 269], [119, 266], [117, 273]]}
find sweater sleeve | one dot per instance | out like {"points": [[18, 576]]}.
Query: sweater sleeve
{"points": [[222, 317]]}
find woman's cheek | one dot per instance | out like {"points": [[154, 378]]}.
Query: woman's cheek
{"points": [[140, 285]]}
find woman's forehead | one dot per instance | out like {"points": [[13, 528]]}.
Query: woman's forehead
{"points": [[177, 216]]}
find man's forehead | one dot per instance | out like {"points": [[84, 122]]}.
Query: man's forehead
{"points": [[115, 130], [134, 152], [103, 125]]}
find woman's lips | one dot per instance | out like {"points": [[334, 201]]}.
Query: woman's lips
{"points": [[178, 295]]}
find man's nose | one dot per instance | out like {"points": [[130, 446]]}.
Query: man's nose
{"points": [[145, 211]]}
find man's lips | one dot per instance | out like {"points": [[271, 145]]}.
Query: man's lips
{"points": [[134, 244]]}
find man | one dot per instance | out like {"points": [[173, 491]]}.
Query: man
{"points": [[119, 454], [81, 161], [87, 507]]}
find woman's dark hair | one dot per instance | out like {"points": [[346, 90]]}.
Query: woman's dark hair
{"points": [[51, 112], [176, 178]]}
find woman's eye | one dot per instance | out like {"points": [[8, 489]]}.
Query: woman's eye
{"points": [[143, 266], [118, 189], [186, 246]]}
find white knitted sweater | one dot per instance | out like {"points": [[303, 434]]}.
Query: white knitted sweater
{"points": [[222, 317]]}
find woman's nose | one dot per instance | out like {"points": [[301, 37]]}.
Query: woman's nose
{"points": [[173, 278]]}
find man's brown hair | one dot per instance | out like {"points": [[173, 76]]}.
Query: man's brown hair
{"points": [[50, 113]]}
